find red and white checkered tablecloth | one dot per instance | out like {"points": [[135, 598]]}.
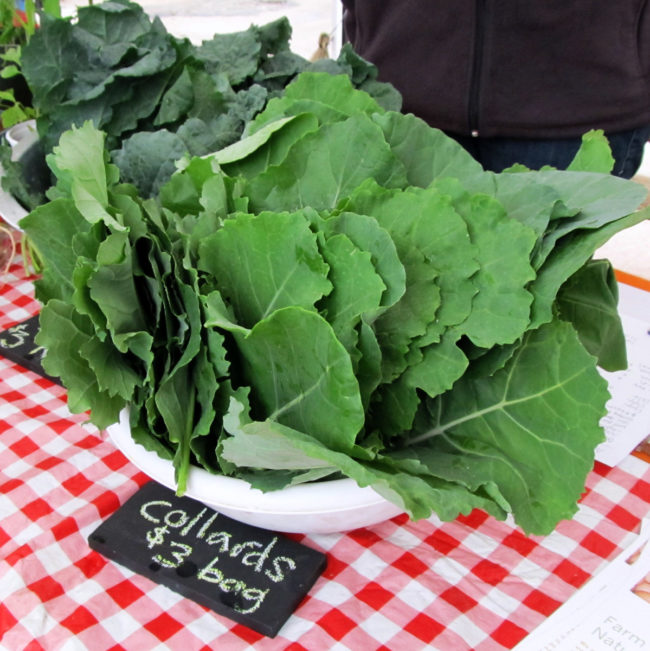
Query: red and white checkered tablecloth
{"points": [[470, 584]]}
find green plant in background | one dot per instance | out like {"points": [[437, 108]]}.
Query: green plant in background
{"points": [[12, 106], [157, 96], [16, 29], [16, 26]]}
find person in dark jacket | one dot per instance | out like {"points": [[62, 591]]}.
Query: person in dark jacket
{"points": [[516, 80]]}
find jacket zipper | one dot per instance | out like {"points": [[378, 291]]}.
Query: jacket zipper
{"points": [[477, 67]]}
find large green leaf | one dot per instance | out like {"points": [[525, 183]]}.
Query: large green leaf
{"points": [[392, 409], [441, 365], [113, 289], [176, 100], [116, 374], [524, 198], [326, 166], [303, 376], [589, 300], [426, 220], [575, 250], [64, 333], [594, 154], [329, 97], [440, 260], [594, 199], [52, 228], [368, 366], [427, 154], [369, 236], [114, 22], [266, 147], [247, 146], [50, 60], [409, 318], [235, 55], [146, 159], [357, 288], [531, 428], [267, 444], [501, 308], [80, 165], [264, 262]]}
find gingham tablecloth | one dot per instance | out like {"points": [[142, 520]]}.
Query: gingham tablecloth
{"points": [[470, 584]]}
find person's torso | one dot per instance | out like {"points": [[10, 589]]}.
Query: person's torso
{"points": [[511, 67]]}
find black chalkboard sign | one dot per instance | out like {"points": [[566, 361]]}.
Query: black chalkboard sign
{"points": [[17, 344], [253, 576]]}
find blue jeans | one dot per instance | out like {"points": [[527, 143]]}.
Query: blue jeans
{"points": [[496, 154]]}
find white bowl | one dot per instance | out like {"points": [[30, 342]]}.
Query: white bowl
{"points": [[20, 137], [10, 210], [318, 507]]}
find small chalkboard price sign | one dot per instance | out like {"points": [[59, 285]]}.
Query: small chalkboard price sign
{"points": [[253, 576], [17, 344]]}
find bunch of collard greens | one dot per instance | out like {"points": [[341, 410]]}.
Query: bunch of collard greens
{"points": [[343, 292], [156, 96]]}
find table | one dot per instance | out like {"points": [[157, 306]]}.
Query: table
{"points": [[474, 583]]}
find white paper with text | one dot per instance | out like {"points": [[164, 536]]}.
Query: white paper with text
{"points": [[608, 612], [627, 422]]}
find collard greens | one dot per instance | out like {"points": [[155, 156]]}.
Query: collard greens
{"points": [[344, 291], [155, 96]]}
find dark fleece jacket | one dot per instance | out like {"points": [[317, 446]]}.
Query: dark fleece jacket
{"points": [[512, 68]]}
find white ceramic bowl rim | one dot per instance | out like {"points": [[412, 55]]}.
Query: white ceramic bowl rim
{"points": [[322, 497]]}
